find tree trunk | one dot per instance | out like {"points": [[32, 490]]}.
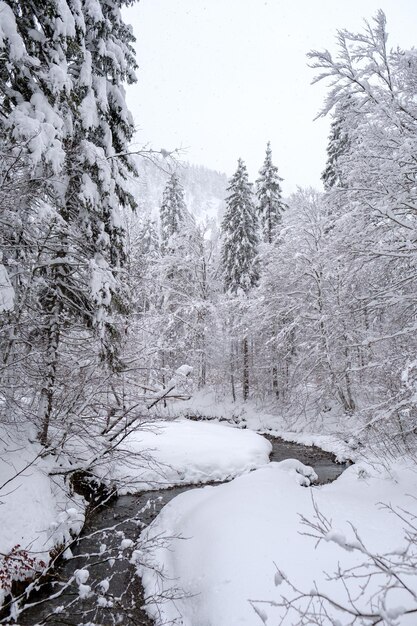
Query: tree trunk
{"points": [[163, 374], [232, 372], [275, 388], [203, 371], [48, 387], [245, 369]]}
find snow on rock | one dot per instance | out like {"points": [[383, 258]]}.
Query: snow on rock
{"points": [[84, 591], [238, 541], [187, 452], [304, 473], [104, 585]]}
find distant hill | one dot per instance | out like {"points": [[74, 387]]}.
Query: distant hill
{"points": [[205, 189]]}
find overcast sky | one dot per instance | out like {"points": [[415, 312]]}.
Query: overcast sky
{"points": [[222, 77]]}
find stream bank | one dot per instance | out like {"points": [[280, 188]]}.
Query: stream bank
{"points": [[104, 549]]}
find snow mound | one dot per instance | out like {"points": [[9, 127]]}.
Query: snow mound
{"points": [[242, 541], [187, 452], [37, 513]]}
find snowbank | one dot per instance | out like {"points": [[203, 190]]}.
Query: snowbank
{"points": [[36, 511], [186, 452], [239, 533], [335, 430]]}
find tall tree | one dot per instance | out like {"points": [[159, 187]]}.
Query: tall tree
{"points": [[173, 210], [239, 235], [178, 273], [270, 209], [338, 145], [268, 191], [63, 102], [239, 253], [379, 217]]}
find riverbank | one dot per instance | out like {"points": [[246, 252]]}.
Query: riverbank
{"points": [[263, 549], [117, 525], [235, 531], [40, 513]]}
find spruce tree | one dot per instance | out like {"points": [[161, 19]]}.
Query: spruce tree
{"points": [[338, 145], [173, 212], [239, 234], [268, 191], [62, 98], [176, 275], [239, 254], [149, 239]]}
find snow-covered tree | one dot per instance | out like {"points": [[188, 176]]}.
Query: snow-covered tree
{"points": [[239, 235], [173, 212], [377, 218], [65, 115], [339, 144], [269, 194], [239, 258]]}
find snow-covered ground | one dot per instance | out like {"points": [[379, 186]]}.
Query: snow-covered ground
{"points": [[233, 537], [186, 452], [37, 511], [330, 431]]}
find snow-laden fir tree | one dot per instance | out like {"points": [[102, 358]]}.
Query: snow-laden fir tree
{"points": [[239, 259], [173, 211], [176, 277], [269, 194], [338, 145], [239, 235], [270, 209], [149, 238], [64, 114]]}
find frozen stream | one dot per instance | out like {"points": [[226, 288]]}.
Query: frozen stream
{"points": [[129, 514]]}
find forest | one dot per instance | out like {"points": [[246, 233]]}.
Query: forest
{"points": [[158, 318]]}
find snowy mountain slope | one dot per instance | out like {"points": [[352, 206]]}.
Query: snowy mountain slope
{"points": [[205, 189]]}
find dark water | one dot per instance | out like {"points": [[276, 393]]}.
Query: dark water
{"points": [[324, 463], [126, 516]]}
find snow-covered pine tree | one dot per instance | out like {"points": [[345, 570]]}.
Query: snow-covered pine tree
{"points": [[149, 237], [175, 276], [63, 102], [239, 235], [338, 145], [239, 254], [270, 208], [173, 210], [269, 194]]}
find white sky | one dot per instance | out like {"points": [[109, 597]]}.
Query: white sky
{"points": [[222, 77]]}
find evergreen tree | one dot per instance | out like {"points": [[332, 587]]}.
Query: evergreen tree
{"points": [[149, 239], [239, 256], [268, 191], [62, 97], [173, 211], [239, 234], [338, 146]]}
